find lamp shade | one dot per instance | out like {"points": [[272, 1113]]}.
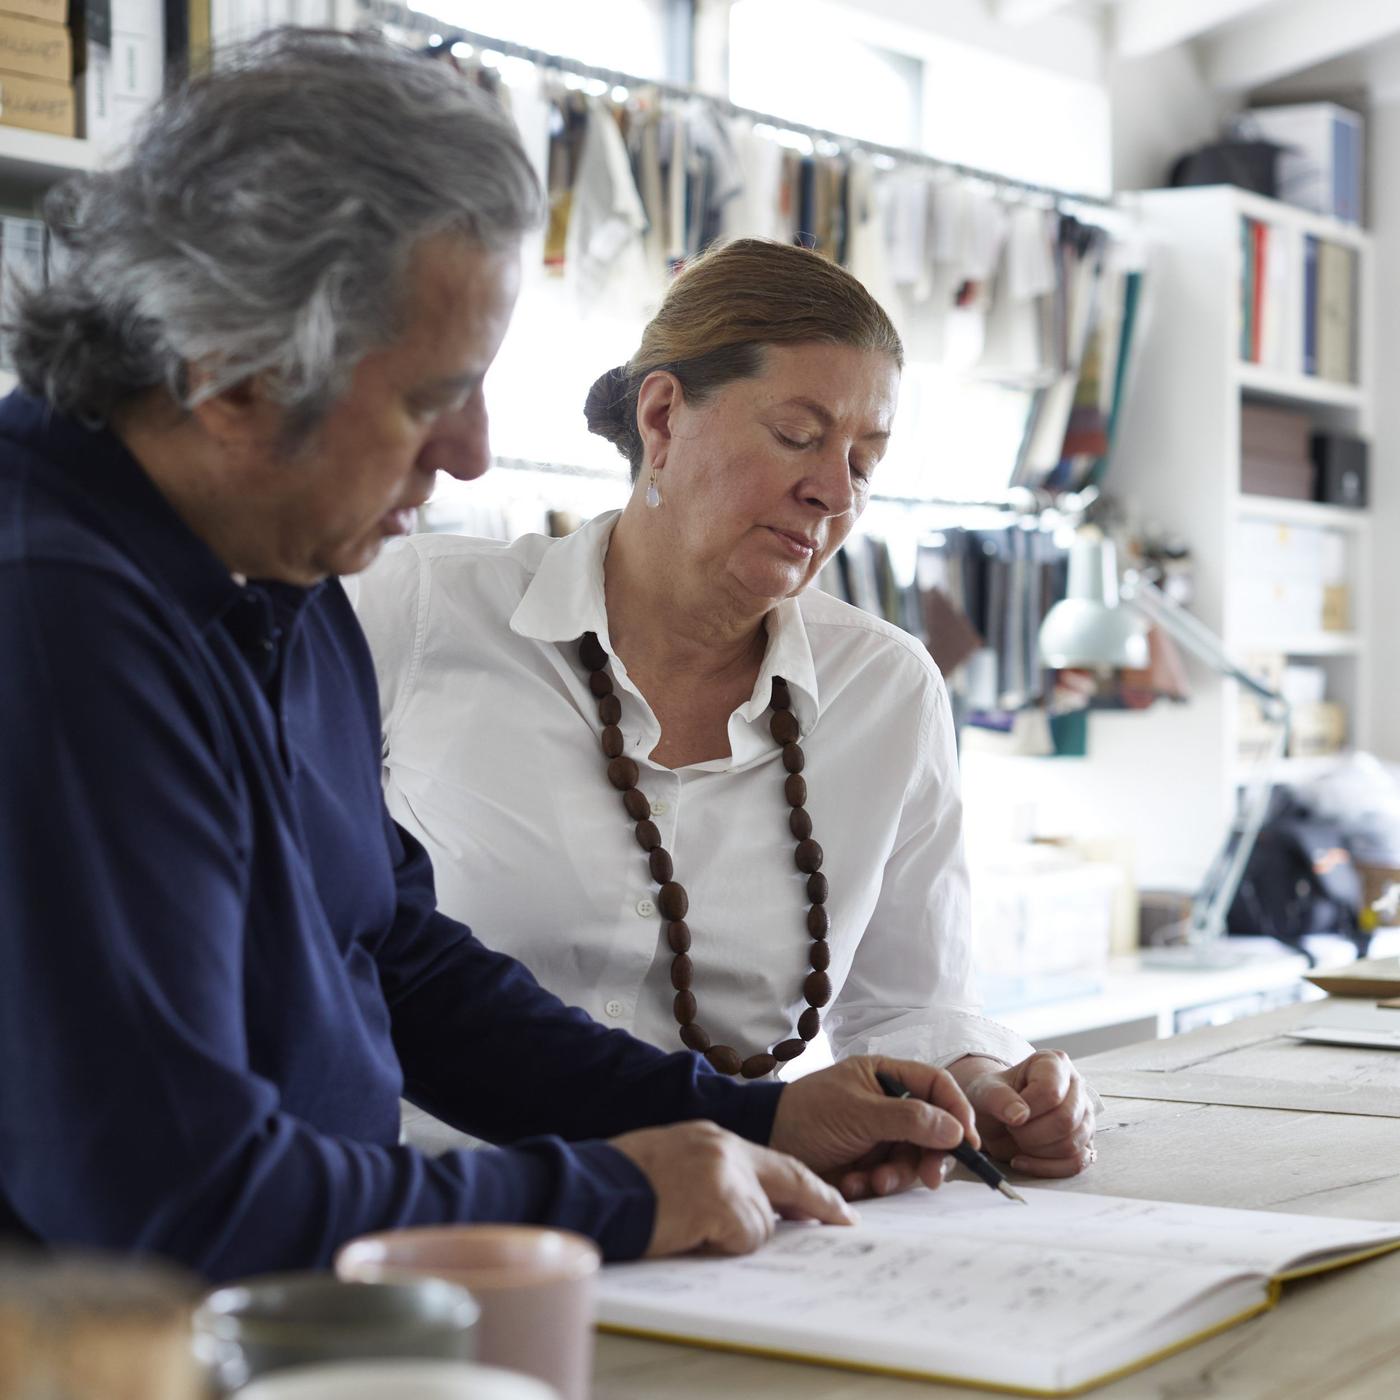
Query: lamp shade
{"points": [[1090, 627]]}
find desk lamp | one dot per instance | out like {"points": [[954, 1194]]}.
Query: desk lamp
{"points": [[1100, 624]]}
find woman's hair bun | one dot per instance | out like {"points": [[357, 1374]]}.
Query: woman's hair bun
{"points": [[608, 409]]}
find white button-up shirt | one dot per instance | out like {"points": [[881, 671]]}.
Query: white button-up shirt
{"points": [[492, 759]]}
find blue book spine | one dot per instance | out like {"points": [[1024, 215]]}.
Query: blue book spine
{"points": [[1309, 305], [1340, 170]]}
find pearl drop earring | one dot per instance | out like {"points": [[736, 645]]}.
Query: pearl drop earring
{"points": [[653, 492]]}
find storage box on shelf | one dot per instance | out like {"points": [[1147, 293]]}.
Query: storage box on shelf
{"points": [[36, 66], [1274, 571]]}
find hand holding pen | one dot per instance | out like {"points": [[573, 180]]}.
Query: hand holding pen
{"points": [[840, 1124], [976, 1162]]}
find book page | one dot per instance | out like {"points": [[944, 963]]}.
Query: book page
{"points": [[962, 1283], [927, 1301], [1256, 1241]]}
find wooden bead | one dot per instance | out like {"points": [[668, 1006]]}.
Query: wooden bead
{"points": [[808, 1023], [800, 823], [682, 972], [820, 956], [794, 760], [591, 653], [817, 888], [818, 921], [795, 789], [678, 936], [695, 1037], [623, 774], [808, 856], [648, 837], [725, 1058], [783, 727], [600, 683], [638, 808], [781, 697], [661, 867], [756, 1066], [612, 741], [672, 900], [817, 989], [684, 1008], [609, 707], [786, 1050]]}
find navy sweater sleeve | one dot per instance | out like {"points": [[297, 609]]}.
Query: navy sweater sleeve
{"points": [[130, 1114]]}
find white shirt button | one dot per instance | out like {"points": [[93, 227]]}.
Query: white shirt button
{"points": [[659, 809], [646, 908], [614, 1009]]}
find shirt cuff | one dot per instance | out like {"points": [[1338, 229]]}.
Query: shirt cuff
{"points": [[747, 1109], [949, 1037], [588, 1187], [956, 1034]]}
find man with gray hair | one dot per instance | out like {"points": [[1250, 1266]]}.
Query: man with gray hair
{"points": [[221, 962]]}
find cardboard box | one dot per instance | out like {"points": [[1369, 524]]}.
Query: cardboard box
{"points": [[1318, 730], [1336, 607], [52, 11], [37, 105], [34, 49]]}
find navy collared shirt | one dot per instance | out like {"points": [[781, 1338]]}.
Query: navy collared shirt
{"points": [[220, 961]]}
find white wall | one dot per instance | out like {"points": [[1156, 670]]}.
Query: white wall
{"points": [[1161, 107]]}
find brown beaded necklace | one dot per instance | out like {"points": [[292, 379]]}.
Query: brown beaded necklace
{"points": [[672, 899]]}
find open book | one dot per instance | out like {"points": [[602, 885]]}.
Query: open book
{"points": [[961, 1284]]}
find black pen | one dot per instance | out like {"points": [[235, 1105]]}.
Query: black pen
{"points": [[976, 1162]]}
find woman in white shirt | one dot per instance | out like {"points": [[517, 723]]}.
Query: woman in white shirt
{"points": [[622, 748]]}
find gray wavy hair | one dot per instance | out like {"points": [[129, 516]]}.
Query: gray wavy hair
{"points": [[263, 226]]}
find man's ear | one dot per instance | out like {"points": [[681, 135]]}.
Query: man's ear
{"points": [[242, 418], [658, 399]]}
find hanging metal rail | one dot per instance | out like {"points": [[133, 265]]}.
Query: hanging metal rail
{"points": [[389, 12]]}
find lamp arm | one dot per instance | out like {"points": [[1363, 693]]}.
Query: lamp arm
{"points": [[1197, 638], [1211, 906]]}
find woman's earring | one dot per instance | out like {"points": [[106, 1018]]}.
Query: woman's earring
{"points": [[653, 492]]}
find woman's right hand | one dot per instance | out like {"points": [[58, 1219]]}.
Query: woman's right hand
{"points": [[717, 1191]]}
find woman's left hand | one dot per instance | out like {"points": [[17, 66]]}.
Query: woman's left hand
{"points": [[1037, 1116]]}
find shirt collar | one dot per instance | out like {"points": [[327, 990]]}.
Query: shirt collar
{"points": [[94, 462], [565, 599]]}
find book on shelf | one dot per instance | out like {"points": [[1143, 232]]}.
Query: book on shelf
{"points": [[963, 1286], [1298, 302]]}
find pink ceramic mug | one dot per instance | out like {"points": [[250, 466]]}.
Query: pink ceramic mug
{"points": [[534, 1287]]}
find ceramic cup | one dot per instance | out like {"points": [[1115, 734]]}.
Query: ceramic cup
{"points": [[93, 1327], [247, 1329], [534, 1286], [397, 1380]]}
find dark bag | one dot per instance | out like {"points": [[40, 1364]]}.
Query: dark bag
{"points": [[1299, 879], [1248, 165]]}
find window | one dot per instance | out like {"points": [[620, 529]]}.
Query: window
{"points": [[828, 65]]}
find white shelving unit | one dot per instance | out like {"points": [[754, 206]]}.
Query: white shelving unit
{"points": [[1177, 466], [35, 158]]}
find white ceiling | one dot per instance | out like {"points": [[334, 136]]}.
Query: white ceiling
{"points": [[1241, 45]]}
